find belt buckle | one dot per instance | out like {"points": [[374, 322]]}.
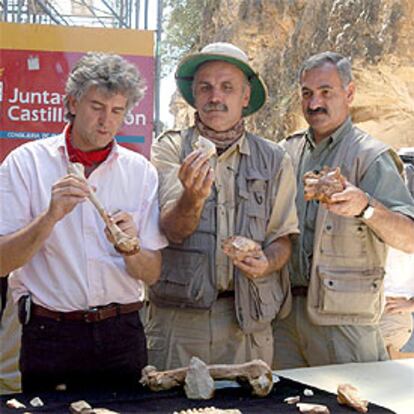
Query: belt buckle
{"points": [[93, 313]]}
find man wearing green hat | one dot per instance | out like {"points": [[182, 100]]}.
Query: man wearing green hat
{"points": [[206, 304]]}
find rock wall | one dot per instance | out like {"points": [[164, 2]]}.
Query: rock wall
{"points": [[279, 34]]}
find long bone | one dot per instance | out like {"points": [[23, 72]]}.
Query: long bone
{"points": [[123, 242], [257, 373]]}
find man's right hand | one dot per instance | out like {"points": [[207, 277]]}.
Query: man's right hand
{"points": [[67, 193], [180, 219], [196, 176]]}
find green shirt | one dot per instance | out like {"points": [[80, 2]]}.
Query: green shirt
{"points": [[382, 181]]}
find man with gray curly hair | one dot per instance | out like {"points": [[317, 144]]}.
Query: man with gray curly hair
{"points": [[78, 293]]}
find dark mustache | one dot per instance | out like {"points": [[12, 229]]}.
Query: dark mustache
{"points": [[215, 107], [319, 110]]}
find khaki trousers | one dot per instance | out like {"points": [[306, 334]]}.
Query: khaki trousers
{"points": [[300, 343], [175, 335], [396, 329]]}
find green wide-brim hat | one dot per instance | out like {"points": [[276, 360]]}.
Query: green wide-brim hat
{"points": [[225, 52]]}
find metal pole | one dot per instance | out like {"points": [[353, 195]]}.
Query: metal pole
{"points": [[5, 10], [146, 15], [20, 5], [114, 13], [157, 126], [137, 10]]}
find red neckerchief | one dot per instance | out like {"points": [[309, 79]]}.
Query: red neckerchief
{"points": [[90, 158]]}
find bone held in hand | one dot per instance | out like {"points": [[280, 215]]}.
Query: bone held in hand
{"points": [[123, 242], [322, 185], [256, 373], [239, 247]]}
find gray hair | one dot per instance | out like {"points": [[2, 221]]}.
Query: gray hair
{"points": [[342, 64], [110, 73]]}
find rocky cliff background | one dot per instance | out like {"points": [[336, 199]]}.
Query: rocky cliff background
{"points": [[378, 36]]}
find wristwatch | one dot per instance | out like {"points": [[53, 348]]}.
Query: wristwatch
{"points": [[368, 211]]}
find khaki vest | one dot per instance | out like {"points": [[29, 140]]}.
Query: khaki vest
{"points": [[188, 276], [346, 281]]}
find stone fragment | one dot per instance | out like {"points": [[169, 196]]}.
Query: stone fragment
{"points": [[198, 382], [36, 402]]}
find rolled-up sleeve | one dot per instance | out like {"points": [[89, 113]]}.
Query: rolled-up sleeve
{"points": [[283, 218], [148, 217], [383, 182], [15, 201], [165, 156]]}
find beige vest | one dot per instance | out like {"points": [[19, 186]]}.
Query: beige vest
{"points": [[188, 278], [346, 282]]}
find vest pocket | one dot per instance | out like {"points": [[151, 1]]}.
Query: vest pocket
{"points": [[184, 280], [256, 208], [344, 240], [351, 292], [267, 297]]}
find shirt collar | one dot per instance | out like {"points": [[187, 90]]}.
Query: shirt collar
{"points": [[334, 138], [60, 145]]}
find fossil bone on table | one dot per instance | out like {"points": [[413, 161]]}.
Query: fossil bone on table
{"points": [[256, 373], [123, 242]]}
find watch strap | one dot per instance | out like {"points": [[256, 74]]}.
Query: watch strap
{"points": [[369, 204]]}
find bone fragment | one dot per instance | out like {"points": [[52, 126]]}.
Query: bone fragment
{"points": [[239, 247], [13, 403], [208, 410], [312, 408], [349, 395], [206, 146], [123, 241], [257, 373], [198, 383], [82, 407], [79, 407], [292, 400], [322, 185], [308, 392]]}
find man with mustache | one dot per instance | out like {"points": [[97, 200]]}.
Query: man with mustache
{"points": [[206, 304], [337, 263]]}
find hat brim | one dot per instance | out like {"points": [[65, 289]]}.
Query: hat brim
{"points": [[187, 68]]}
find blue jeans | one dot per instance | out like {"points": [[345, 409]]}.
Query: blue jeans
{"points": [[108, 354]]}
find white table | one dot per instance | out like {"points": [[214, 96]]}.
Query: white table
{"points": [[388, 383]]}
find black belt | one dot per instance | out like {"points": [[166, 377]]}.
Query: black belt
{"points": [[299, 291], [226, 294], [97, 314]]}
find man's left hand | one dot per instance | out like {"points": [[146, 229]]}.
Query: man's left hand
{"points": [[348, 203], [253, 266], [125, 222]]}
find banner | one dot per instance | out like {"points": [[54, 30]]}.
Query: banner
{"points": [[35, 61]]}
